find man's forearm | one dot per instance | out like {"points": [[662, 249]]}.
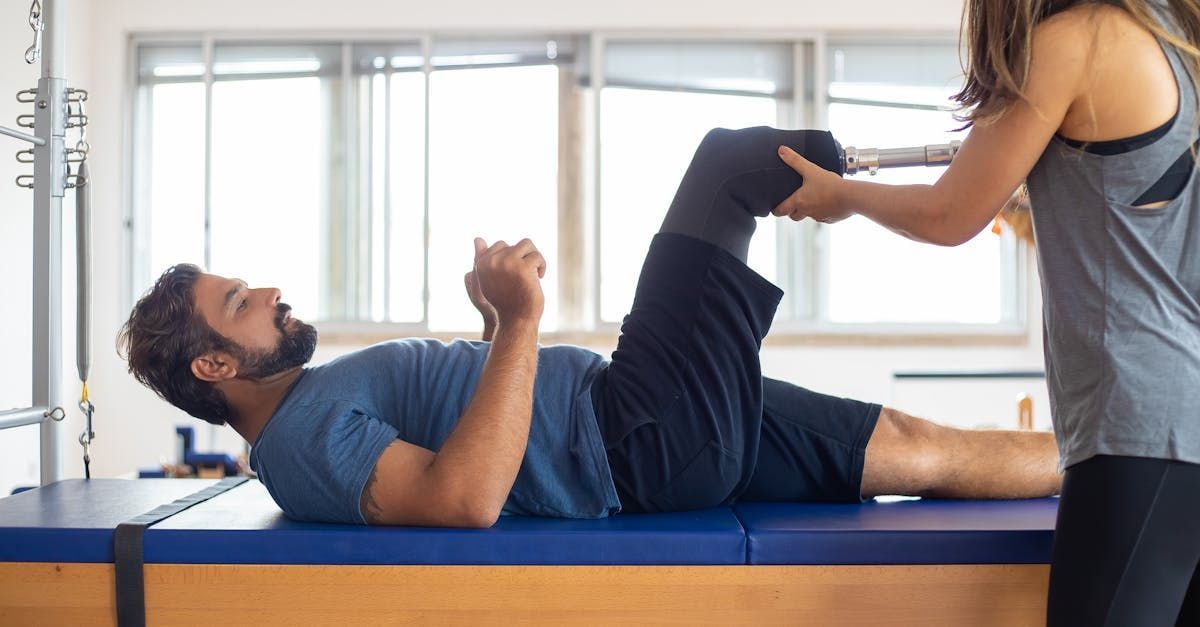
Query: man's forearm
{"points": [[480, 459]]}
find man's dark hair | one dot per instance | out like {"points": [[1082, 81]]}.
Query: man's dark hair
{"points": [[164, 333]]}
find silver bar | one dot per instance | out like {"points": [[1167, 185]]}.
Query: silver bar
{"points": [[48, 169], [22, 417], [83, 273], [54, 39], [36, 141], [872, 159]]}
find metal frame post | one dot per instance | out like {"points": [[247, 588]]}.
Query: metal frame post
{"points": [[49, 172]]}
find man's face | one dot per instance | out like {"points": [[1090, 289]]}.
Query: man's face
{"points": [[267, 339]]}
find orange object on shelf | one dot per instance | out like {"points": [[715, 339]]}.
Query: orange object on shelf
{"points": [[1025, 412]]}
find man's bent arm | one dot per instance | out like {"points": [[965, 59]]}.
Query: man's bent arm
{"points": [[480, 459]]}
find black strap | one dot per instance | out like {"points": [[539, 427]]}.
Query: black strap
{"points": [[127, 550]]}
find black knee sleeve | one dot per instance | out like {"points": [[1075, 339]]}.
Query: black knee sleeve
{"points": [[736, 176]]}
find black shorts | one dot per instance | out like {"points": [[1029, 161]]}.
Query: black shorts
{"points": [[688, 420]]}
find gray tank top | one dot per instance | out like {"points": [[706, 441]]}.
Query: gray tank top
{"points": [[1121, 292]]}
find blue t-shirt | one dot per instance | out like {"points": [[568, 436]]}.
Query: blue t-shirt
{"points": [[320, 446]]}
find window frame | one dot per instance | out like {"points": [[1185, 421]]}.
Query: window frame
{"points": [[803, 262]]}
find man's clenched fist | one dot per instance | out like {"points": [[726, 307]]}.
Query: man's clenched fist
{"points": [[510, 279]]}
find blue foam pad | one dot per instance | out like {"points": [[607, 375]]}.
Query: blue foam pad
{"points": [[73, 521], [908, 532]]}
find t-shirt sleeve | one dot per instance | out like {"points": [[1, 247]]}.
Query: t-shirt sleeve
{"points": [[318, 473]]}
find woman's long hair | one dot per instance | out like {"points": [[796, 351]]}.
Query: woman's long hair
{"points": [[999, 37]]}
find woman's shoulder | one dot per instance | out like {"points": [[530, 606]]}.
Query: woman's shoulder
{"points": [[1092, 26], [1076, 29]]}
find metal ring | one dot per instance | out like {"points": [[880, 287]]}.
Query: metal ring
{"points": [[80, 181], [83, 120], [28, 151], [56, 414], [22, 123], [76, 95], [28, 185], [30, 93]]}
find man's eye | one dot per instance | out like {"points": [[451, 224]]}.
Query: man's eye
{"points": [[242, 305]]}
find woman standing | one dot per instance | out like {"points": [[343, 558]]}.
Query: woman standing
{"points": [[1094, 106]]}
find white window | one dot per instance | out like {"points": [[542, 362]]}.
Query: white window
{"points": [[891, 95], [354, 175], [245, 198], [493, 165], [658, 101]]}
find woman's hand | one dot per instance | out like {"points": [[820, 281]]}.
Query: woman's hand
{"points": [[821, 195]]}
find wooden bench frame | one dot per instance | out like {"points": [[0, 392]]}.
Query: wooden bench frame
{"points": [[45, 593]]}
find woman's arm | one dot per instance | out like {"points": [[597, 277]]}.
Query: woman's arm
{"points": [[992, 162]]}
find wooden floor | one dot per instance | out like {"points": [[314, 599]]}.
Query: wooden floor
{"points": [[293, 596]]}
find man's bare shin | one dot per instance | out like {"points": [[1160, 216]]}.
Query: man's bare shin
{"points": [[911, 456]]}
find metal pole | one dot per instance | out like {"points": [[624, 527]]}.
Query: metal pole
{"points": [[21, 417], [83, 274], [871, 159], [36, 141], [49, 170]]}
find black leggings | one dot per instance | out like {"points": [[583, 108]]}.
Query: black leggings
{"points": [[1127, 544]]}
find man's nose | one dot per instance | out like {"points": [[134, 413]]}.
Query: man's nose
{"points": [[273, 295]]}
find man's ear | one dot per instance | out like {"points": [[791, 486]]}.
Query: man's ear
{"points": [[214, 367]]}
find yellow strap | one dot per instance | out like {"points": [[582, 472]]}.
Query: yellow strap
{"points": [[85, 393]]}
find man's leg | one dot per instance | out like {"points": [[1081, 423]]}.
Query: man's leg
{"points": [[912, 456], [680, 404], [737, 176], [816, 447]]}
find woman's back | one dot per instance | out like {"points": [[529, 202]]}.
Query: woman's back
{"points": [[1131, 87]]}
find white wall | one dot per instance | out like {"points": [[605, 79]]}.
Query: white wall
{"points": [[135, 428]]}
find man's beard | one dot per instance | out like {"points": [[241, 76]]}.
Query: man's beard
{"points": [[294, 349]]}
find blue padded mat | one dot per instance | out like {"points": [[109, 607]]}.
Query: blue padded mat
{"points": [[908, 532], [72, 521]]}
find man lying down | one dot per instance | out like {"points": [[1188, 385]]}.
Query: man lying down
{"points": [[417, 432]]}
